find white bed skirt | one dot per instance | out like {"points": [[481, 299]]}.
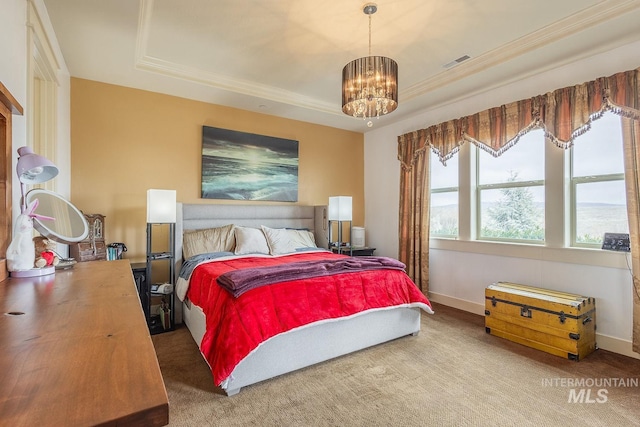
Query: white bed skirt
{"points": [[311, 344]]}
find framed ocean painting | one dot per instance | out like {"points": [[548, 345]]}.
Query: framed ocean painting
{"points": [[245, 166]]}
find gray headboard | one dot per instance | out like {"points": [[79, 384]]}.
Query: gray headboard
{"points": [[197, 216]]}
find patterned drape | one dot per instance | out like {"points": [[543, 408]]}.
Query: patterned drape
{"points": [[415, 191], [564, 114], [631, 136]]}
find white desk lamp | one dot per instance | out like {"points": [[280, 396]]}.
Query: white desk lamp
{"points": [[45, 211], [31, 169]]}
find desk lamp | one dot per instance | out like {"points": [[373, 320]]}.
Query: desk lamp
{"points": [[31, 169]]}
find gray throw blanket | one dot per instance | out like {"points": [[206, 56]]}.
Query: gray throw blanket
{"points": [[190, 264], [238, 282]]}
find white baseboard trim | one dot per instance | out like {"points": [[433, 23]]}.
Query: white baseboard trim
{"points": [[605, 342], [616, 345], [460, 304]]}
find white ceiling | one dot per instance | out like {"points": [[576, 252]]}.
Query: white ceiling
{"points": [[285, 57]]}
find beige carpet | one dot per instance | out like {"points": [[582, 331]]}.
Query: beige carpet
{"points": [[451, 374]]}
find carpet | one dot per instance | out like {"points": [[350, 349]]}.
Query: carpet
{"points": [[451, 374]]}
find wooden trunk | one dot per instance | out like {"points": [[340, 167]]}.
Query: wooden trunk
{"points": [[555, 322]]}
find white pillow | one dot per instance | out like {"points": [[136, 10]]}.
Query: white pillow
{"points": [[285, 241], [207, 240], [250, 241]]}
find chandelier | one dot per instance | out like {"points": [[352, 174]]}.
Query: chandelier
{"points": [[370, 84]]}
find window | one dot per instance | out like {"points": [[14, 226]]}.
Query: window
{"points": [[598, 199], [42, 92], [444, 197], [510, 192], [513, 198]]}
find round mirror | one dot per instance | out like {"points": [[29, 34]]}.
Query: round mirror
{"points": [[68, 226]]}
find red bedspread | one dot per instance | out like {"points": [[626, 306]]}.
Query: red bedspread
{"points": [[236, 326]]}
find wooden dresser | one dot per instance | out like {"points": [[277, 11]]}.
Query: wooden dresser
{"points": [[75, 350], [93, 247]]}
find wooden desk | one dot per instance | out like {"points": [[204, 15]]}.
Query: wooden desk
{"points": [[81, 353]]}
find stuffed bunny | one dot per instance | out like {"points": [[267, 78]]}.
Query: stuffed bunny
{"points": [[21, 253]]}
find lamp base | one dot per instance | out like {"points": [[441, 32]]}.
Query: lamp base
{"points": [[34, 272]]}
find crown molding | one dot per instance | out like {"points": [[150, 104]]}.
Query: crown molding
{"points": [[589, 17], [145, 62], [558, 30]]}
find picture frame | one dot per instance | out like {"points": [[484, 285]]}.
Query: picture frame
{"points": [[244, 166]]}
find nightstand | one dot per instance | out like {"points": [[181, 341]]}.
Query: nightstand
{"points": [[364, 251]]}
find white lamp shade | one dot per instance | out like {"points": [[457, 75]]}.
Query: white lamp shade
{"points": [[161, 206], [33, 168], [340, 208]]}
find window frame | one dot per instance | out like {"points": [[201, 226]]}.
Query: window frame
{"points": [[477, 225], [587, 179], [499, 186], [441, 190], [574, 182]]}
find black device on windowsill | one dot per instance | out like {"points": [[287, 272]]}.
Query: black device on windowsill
{"points": [[616, 242]]}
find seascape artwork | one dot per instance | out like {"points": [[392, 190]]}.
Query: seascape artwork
{"points": [[243, 166]]}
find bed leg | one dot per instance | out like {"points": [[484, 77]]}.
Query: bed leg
{"points": [[415, 334], [232, 392]]}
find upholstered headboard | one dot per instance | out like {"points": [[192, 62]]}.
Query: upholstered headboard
{"points": [[197, 216]]}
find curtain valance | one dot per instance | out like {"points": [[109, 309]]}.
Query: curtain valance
{"points": [[564, 114]]}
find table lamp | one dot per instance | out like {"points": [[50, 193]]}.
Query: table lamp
{"points": [[340, 210], [161, 206]]}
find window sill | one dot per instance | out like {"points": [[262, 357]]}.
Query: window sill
{"points": [[583, 256]]}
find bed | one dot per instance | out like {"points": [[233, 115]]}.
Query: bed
{"points": [[310, 331]]}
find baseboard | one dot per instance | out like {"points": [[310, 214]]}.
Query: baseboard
{"points": [[460, 304], [616, 345], [605, 342]]}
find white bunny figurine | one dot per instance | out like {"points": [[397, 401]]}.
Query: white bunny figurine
{"points": [[21, 254]]}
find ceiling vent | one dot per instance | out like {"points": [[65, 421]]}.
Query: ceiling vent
{"points": [[456, 61]]}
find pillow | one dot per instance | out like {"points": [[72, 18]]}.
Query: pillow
{"points": [[284, 240], [250, 241], [206, 240]]}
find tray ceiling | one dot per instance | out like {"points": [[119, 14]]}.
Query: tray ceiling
{"points": [[285, 57]]}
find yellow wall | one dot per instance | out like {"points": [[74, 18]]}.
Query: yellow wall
{"points": [[125, 141]]}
